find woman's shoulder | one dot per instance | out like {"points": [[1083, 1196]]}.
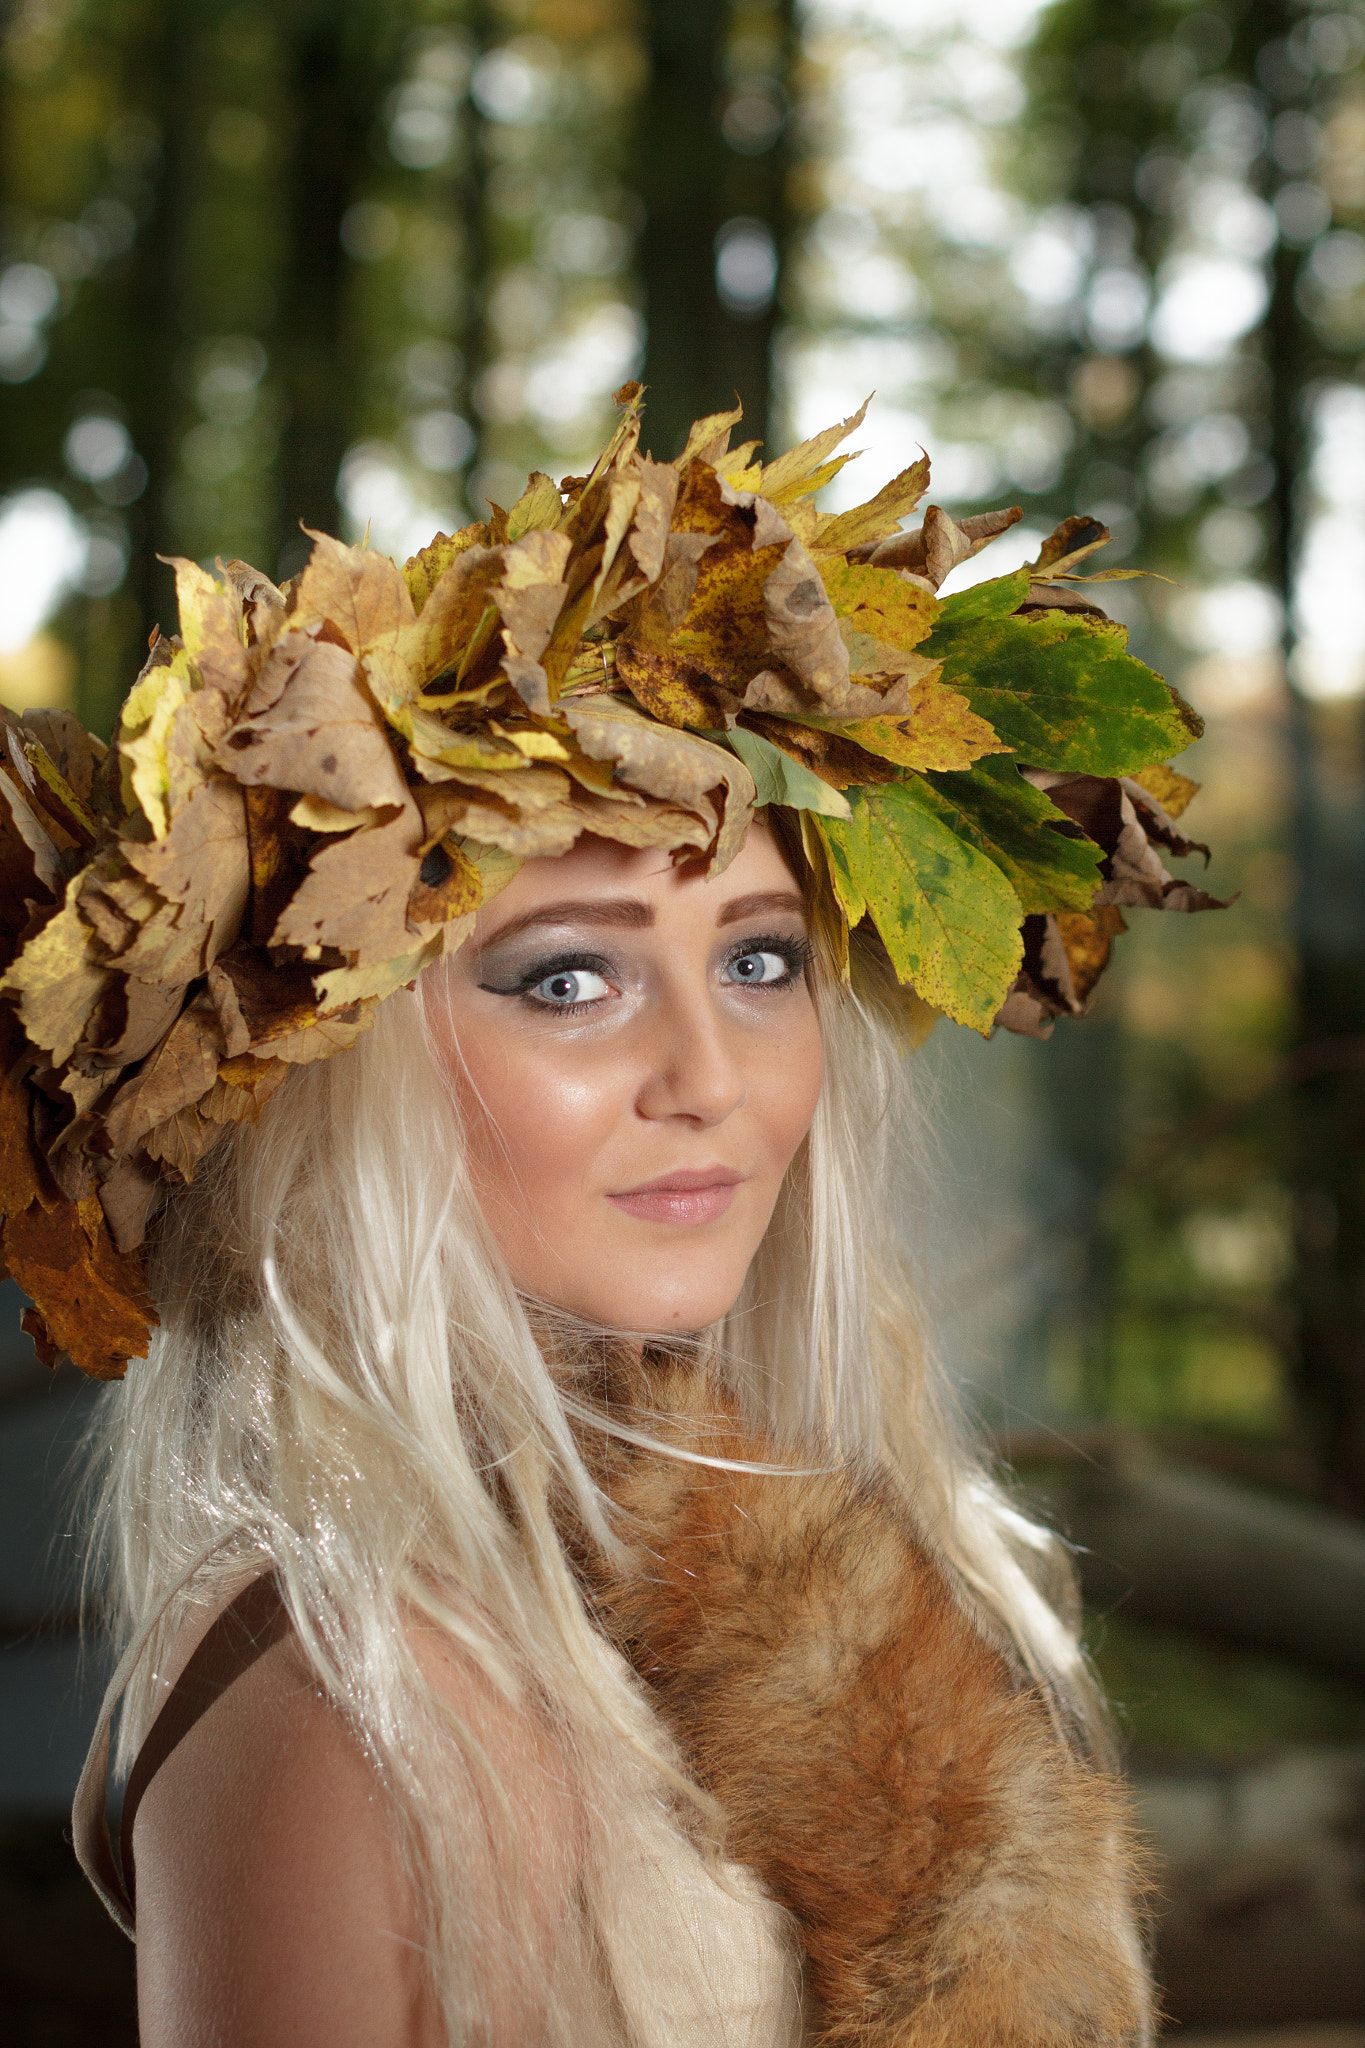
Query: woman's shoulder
{"points": [[271, 1901]]}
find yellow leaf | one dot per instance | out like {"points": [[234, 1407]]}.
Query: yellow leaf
{"points": [[804, 469], [540, 505], [1172, 790], [144, 729], [880, 603], [424, 570], [880, 516], [938, 731]]}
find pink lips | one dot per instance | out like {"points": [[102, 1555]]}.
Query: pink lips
{"points": [[694, 1195]]}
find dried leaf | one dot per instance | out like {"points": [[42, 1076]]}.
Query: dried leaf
{"points": [[202, 867], [805, 468], [179, 1072], [802, 628], [448, 885], [355, 896], [676, 766], [58, 982], [323, 736], [144, 728], [530, 598], [938, 729], [880, 517], [213, 628], [1067, 545], [540, 505], [424, 570], [937, 547], [91, 1301], [1129, 833], [671, 688]]}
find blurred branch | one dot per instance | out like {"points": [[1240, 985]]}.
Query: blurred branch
{"points": [[1188, 1550]]}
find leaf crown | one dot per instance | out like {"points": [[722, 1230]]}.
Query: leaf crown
{"points": [[312, 790]]}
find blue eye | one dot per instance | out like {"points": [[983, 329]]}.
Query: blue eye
{"points": [[754, 969], [568, 987]]}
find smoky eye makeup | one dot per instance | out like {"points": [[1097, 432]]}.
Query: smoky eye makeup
{"points": [[524, 969]]}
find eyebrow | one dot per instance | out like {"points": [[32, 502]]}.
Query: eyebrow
{"points": [[628, 913]]}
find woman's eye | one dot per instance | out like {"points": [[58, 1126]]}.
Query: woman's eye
{"points": [[753, 969], [567, 987]]}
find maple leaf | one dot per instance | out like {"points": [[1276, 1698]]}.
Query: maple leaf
{"points": [[676, 766], [323, 734], [1050, 863], [355, 895], [947, 916], [1063, 691]]}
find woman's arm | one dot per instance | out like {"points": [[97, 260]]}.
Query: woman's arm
{"points": [[957, 1875]]}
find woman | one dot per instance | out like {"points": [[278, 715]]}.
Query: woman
{"points": [[559, 1607]]}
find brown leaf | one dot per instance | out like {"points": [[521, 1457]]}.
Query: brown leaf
{"points": [[530, 597], [802, 628], [355, 895], [424, 570], [213, 630], [1129, 832], [90, 1301], [1065, 953], [1067, 545], [58, 981], [125, 1198], [137, 1016], [202, 867], [273, 1000], [676, 766], [263, 606], [936, 548], [179, 1072], [824, 749], [323, 736], [76, 753]]}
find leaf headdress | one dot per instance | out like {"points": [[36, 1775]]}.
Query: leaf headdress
{"points": [[312, 790]]}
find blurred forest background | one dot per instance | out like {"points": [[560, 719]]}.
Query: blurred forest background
{"points": [[361, 264]]}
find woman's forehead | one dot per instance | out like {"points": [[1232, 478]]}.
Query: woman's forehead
{"points": [[599, 870]]}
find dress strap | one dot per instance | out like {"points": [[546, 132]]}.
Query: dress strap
{"points": [[244, 1631]]}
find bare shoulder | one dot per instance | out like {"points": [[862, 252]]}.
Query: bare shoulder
{"points": [[271, 1904]]}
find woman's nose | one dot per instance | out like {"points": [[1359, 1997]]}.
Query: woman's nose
{"points": [[693, 1068]]}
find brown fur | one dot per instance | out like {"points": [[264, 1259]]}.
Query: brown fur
{"points": [[959, 1878]]}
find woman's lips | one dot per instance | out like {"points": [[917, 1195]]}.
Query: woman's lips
{"points": [[693, 1195]]}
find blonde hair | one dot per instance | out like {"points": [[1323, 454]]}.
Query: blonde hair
{"points": [[347, 1388]]}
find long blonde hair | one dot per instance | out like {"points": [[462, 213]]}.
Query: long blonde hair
{"points": [[347, 1388]]}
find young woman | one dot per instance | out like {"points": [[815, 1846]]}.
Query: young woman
{"points": [[464, 1013], [398, 1317]]}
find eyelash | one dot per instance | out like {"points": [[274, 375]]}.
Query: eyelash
{"points": [[797, 954]]}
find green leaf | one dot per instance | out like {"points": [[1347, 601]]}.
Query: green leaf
{"points": [[946, 914], [1012, 823], [996, 598], [1063, 690], [780, 780]]}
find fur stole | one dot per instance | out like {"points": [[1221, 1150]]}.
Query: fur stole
{"points": [[958, 1877]]}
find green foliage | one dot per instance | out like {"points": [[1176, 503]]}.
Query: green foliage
{"points": [[946, 914], [1007, 819], [780, 780], [1063, 690]]}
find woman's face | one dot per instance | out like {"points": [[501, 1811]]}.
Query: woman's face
{"points": [[637, 1056]]}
